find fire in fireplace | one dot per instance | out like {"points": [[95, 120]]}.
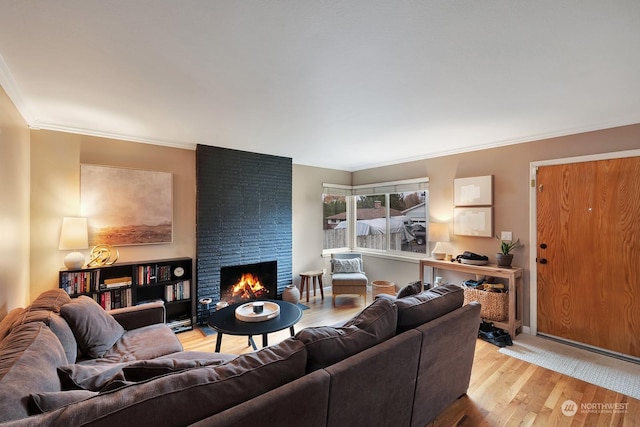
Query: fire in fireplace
{"points": [[239, 283]]}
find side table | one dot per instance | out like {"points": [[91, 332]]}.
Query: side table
{"points": [[305, 280]]}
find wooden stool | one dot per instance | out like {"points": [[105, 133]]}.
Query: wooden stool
{"points": [[305, 279]]}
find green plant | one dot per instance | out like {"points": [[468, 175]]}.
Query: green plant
{"points": [[507, 246]]}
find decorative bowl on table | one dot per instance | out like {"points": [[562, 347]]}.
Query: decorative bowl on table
{"points": [[245, 312]]}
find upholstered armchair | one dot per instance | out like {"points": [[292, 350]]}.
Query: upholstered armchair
{"points": [[347, 276]]}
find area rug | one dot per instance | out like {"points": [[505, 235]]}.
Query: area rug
{"points": [[604, 371]]}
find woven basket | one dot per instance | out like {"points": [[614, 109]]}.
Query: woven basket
{"points": [[494, 305]]}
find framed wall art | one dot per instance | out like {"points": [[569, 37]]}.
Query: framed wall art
{"points": [[126, 206], [473, 221], [474, 191]]}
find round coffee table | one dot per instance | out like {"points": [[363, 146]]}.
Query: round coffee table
{"points": [[224, 322]]}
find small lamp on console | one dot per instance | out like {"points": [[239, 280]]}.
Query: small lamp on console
{"points": [[438, 232], [73, 237]]}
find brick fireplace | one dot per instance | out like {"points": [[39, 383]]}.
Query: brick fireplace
{"points": [[243, 216]]}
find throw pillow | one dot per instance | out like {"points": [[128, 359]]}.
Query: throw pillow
{"points": [[351, 265], [146, 369], [89, 377], [412, 288], [47, 402], [95, 330], [327, 345], [417, 309]]}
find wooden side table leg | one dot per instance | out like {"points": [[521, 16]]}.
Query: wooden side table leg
{"points": [[321, 287], [313, 279], [305, 282], [218, 342]]}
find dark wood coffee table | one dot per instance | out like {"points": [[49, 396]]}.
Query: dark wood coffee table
{"points": [[224, 322]]}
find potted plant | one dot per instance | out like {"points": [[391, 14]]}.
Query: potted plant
{"points": [[504, 257]]}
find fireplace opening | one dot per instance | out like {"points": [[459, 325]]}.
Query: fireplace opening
{"points": [[247, 282]]}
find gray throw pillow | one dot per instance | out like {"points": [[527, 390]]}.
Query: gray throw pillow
{"points": [[415, 310], [351, 265], [327, 345], [96, 331], [412, 288], [47, 402]]}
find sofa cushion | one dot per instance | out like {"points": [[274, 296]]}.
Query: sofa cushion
{"points": [[94, 329], [146, 369], [187, 397], [351, 265], [89, 377], [51, 300], [50, 401], [417, 309], [144, 343], [412, 288], [29, 356], [7, 321], [327, 345]]}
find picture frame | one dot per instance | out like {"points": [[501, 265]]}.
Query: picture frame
{"points": [[126, 206], [474, 221], [473, 191]]}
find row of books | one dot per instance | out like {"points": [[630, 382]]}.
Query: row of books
{"points": [[78, 282], [117, 298], [148, 274], [178, 291]]}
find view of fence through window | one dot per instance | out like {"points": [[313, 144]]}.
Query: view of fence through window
{"points": [[400, 228]]}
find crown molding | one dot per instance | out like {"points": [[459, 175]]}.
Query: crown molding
{"points": [[110, 135], [9, 85]]}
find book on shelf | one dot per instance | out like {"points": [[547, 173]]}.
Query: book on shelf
{"points": [[116, 282], [178, 291]]}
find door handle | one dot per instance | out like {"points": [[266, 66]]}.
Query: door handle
{"points": [[543, 246], [543, 260]]}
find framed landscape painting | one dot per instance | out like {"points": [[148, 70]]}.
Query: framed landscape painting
{"points": [[126, 206]]}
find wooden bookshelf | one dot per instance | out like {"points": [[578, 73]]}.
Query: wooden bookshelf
{"points": [[128, 284]]}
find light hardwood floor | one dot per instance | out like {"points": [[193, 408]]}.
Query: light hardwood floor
{"points": [[504, 391]]}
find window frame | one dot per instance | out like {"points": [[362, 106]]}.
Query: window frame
{"points": [[386, 188]]}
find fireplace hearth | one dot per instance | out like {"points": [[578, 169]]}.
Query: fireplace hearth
{"points": [[248, 282]]}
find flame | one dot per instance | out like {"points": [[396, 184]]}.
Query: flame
{"points": [[248, 287]]}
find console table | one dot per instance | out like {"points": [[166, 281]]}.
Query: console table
{"points": [[514, 285]]}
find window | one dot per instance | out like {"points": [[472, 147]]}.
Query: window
{"points": [[387, 217]]}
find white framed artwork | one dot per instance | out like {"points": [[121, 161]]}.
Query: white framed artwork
{"points": [[473, 221], [473, 191]]}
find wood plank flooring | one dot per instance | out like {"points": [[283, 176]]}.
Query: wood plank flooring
{"points": [[504, 391]]}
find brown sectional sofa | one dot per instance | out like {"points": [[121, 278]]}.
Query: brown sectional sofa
{"points": [[399, 362]]}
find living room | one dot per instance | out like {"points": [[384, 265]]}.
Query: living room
{"points": [[43, 167]]}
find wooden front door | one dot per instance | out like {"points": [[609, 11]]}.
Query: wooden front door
{"points": [[588, 225]]}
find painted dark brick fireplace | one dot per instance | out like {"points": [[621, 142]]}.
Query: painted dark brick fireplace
{"points": [[243, 215]]}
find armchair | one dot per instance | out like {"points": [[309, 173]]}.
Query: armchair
{"points": [[347, 276]]}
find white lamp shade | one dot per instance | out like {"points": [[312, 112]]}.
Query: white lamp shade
{"points": [[74, 234], [438, 232]]}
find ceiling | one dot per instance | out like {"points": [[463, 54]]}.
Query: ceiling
{"points": [[340, 84]]}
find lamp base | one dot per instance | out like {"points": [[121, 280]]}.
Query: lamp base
{"points": [[439, 251], [74, 260]]}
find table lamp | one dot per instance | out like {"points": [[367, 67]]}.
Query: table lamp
{"points": [[74, 236], [438, 232]]}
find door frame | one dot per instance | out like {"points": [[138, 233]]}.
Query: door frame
{"points": [[533, 226]]}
